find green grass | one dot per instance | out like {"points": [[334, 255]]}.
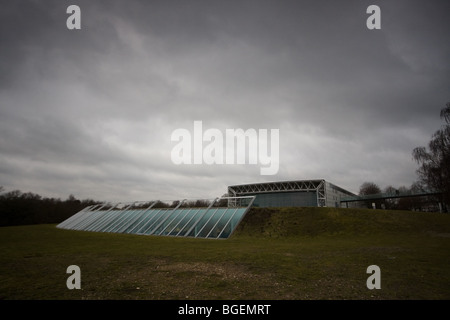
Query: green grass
{"points": [[290, 253]]}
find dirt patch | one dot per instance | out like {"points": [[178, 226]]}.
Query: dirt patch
{"points": [[223, 271], [183, 280]]}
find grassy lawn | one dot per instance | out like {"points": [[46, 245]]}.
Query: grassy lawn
{"points": [[290, 253]]}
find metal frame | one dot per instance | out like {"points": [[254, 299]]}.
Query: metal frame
{"points": [[383, 196]]}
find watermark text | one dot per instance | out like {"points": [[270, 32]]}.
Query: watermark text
{"points": [[236, 146]]}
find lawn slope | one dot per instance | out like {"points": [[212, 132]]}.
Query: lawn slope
{"points": [[295, 222]]}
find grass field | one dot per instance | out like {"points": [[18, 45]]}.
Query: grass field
{"points": [[290, 253]]}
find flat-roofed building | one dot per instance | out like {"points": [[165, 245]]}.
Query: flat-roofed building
{"points": [[295, 193]]}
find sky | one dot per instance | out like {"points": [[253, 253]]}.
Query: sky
{"points": [[90, 112]]}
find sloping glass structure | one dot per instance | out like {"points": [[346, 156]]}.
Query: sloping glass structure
{"points": [[212, 219]]}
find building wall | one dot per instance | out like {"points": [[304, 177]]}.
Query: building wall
{"points": [[334, 194], [286, 199]]}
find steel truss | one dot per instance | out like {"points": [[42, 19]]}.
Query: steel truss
{"points": [[317, 186]]}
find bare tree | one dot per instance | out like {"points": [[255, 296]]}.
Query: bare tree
{"points": [[434, 170]]}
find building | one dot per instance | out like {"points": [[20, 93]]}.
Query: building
{"points": [[205, 218], [297, 193]]}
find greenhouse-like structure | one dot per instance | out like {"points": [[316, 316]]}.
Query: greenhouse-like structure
{"points": [[210, 219]]}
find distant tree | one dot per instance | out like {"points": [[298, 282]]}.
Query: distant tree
{"points": [[72, 198], [201, 203], [434, 170], [160, 204], [175, 203], [390, 203], [370, 188]]}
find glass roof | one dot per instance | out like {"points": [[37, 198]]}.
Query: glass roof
{"points": [[212, 219]]}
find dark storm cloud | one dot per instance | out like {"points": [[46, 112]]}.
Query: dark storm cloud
{"points": [[91, 111]]}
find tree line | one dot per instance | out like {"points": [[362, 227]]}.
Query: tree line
{"points": [[422, 203], [19, 208]]}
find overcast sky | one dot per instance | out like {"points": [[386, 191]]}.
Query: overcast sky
{"points": [[90, 112]]}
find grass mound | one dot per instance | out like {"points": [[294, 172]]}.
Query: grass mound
{"points": [[295, 222]]}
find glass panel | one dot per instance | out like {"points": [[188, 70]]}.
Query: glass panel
{"points": [[150, 227], [201, 221], [131, 220], [107, 220], [97, 218], [180, 226], [79, 224], [71, 221], [123, 218], [147, 221], [229, 224], [163, 224], [171, 226], [212, 222], [191, 222], [140, 221], [107, 217]]}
